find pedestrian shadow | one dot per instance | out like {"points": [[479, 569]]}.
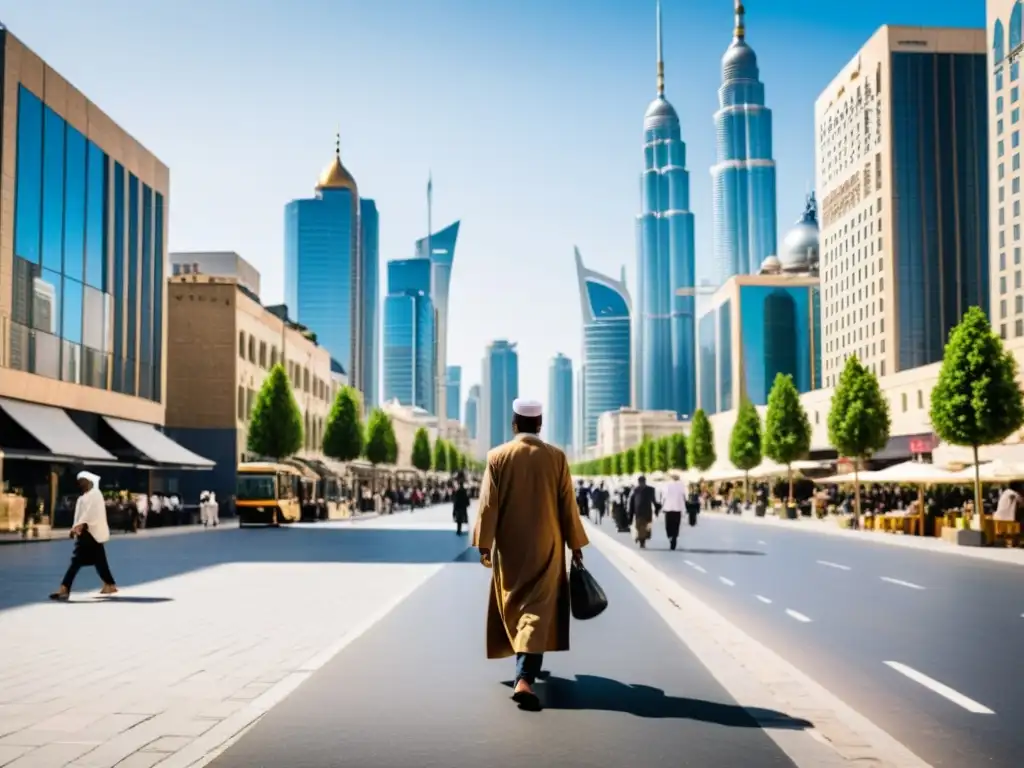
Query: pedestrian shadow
{"points": [[590, 692], [720, 551], [127, 599]]}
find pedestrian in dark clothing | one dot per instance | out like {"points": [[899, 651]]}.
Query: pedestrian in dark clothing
{"points": [[643, 504], [583, 500], [460, 507]]}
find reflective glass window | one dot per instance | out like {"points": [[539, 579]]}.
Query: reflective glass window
{"points": [[725, 399], [158, 294], [96, 218], [132, 314], [46, 302], [29, 182], [96, 319], [71, 317], [53, 190], [23, 277], [119, 275], [74, 205], [146, 308]]}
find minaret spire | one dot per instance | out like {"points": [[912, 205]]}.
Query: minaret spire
{"points": [[661, 60], [740, 32], [337, 144]]}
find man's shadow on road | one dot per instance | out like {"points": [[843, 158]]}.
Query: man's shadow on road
{"points": [[590, 692], [719, 551], [126, 599]]}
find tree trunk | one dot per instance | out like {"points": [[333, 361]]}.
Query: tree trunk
{"points": [[979, 508], [746, 487], [856, 493], [790, 468]]}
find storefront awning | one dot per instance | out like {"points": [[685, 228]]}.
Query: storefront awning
{"points": [[55, 430], [156, 446]]}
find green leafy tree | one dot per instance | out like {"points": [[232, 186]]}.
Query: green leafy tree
{"points": [[641, 457], [461, 466], [660, 457], [421, 450], [630, 463], [858, 420], [453, 456], [619, 464], [701, 448], [677, 451], [977, 400], [787, 430], [652, 455], [275, 429], [392, 441], [440, 456], [343, 433], [607, 465], [379, 437], [745, 443]]}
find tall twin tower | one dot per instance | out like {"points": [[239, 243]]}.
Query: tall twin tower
{"points": [[744, 226]]}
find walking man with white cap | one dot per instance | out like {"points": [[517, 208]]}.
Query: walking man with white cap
{"points": [[674, 505], [526, 521], [91, 532]]}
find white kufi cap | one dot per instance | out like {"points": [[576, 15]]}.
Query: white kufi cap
{"points": [[94, 479], [530, 409]]}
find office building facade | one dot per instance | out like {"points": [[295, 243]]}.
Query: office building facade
{"points": [[473, 412], [328, 279], [607, 331], [369, 229], [901, 164], [558, 420], [499, 387], [217, 264], [410, 335], [453, 397], [664, 373], [743, 177]]}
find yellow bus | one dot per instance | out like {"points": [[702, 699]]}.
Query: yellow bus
{"points": [[268, 494]]}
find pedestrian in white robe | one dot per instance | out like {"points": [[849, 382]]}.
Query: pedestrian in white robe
{"points": [[91, 533]]}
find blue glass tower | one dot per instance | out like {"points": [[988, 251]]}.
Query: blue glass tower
{"points": [[743, 177], [558, 422], [473, 411], [409, 335], [326, 276], [453, 395], [664, 351], [369, 227], [500, 388], [606, 347]]}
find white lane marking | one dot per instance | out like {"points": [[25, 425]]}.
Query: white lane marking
{"points": [[943, 690], [829, 564], [761, 543], [695, 567], [797, 615], [900, 582], [727, 582], [763, 599]]}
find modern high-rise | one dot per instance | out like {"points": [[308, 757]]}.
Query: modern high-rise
{"points": [[330, 273], [409, 335], [453, 396], [743, 177], [499, 387], [1004, 127], [901, 168], [369, 228], [473, 412], [558, 420], [664, 373], [606, 310], [439, 247]]}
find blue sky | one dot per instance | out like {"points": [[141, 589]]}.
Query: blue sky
{"points": [[528, 112]]}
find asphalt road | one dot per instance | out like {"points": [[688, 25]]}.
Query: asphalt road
{"points": [[416, 690], [926, 645]]}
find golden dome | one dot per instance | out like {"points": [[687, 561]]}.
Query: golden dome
{"points": [[336, 176]]}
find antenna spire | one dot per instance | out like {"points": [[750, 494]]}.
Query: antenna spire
{"points": [[337, 143], [661, 60], [740, 32]]}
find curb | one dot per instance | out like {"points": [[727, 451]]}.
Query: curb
{"points": [[757, 677], [151, 533]]}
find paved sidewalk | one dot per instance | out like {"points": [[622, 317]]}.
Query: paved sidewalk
{"points": [[830, 527], [206, 636], [62, 534]]}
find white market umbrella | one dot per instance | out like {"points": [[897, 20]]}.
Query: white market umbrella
{"points": [[993, 472], [914, 472]]}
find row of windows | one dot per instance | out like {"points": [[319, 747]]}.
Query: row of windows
{"points": [[266, 357]]}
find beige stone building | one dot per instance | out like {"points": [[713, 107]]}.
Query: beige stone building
{"points": [[407, 420], [620, 430], [900, 166]]}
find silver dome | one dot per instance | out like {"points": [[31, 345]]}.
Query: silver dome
{"points": [[659, 113], [739, 62], [800, 246], [771, 266]]}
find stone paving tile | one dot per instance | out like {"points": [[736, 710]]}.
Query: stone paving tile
{"points": [[204, 630]]}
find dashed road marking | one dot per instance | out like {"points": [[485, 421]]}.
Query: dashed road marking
{"points": [[797, 615], [901, 582], [695, 567], [940, 688], [763, 599], [727, 582], [829, 564], [761, 542]]}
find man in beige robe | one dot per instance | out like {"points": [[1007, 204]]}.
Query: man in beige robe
{"points": [[526, 520]]}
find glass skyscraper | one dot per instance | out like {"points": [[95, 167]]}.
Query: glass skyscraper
{"points": [[743, 177], [327, 277], [664, 349], [605, 373], [500, 387], [369, 225], [558, 421], [409, 335], [439, 247], [473, 411], [453, 385]]}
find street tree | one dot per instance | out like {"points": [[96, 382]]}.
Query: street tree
{"points": [[858, 420], [641, 456], [607, 465], [619, 464], [343, 433], [275, 429], [379, 437], [661, 451], [453, 456], [392, 440], [677, 456], [630, 463], [440, 456], [787, 430], [745, 443], [701, 448], [976, 401], [421, 450]]}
